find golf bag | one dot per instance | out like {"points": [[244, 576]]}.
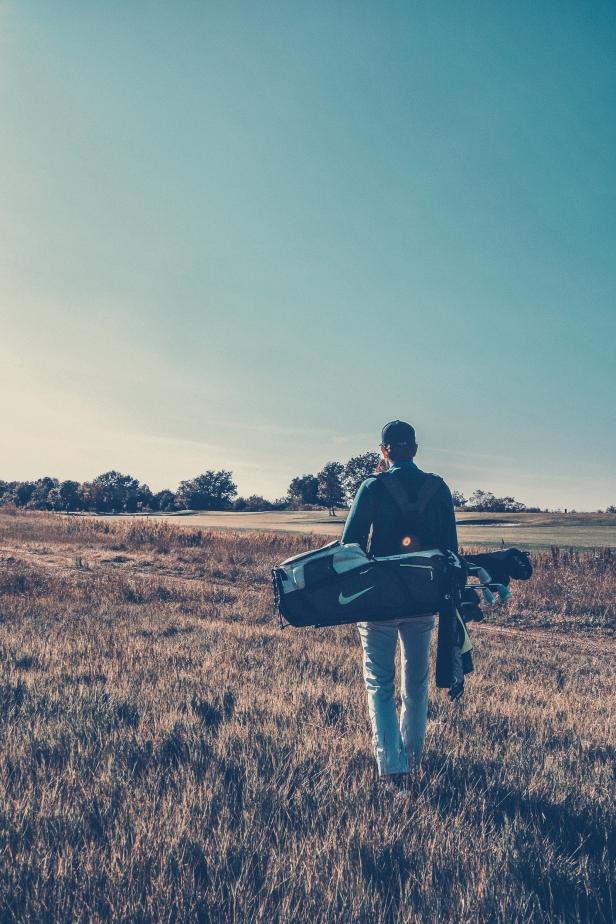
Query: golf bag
{"points": [[340, 584]]}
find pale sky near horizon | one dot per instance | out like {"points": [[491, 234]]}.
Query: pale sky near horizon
{"points": [[245, 235]]}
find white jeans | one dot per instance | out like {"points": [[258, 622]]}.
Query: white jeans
{"points": [[397, 743]]}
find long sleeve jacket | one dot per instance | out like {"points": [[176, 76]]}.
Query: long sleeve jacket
{"points": [[375, 516]]}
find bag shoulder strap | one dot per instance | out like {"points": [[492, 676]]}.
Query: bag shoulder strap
{"points": [[429, 486]]}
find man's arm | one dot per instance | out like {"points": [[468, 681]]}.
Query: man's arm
{"points": [[445, 520], [359, 520]]}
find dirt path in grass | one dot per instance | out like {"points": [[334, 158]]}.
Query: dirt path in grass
{"points": [[140, 565], [606, 644]]}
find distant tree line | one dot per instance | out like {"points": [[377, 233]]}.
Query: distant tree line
{"points": [[333, 487], [486, 502], [113, 492]]}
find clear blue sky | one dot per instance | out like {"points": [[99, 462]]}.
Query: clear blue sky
{"points": [[245, 235]]}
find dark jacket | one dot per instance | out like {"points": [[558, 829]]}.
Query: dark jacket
{"points": [[375, 509]]}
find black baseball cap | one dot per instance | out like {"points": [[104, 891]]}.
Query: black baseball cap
{"points": [[398, 433]]}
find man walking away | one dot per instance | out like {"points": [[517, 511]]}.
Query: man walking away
{"points": [[402, 510]]}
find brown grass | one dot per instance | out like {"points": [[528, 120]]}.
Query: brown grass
{"points": [[169, 754]]}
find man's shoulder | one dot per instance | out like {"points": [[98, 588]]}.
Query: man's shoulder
{"points": [[438, 479], [415, 476], [368, 484], [434, 484]]}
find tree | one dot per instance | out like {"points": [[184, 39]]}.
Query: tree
{"points": [[92, 496], [485, 501], [458, 499], [331, 491], [611, 508], [117, 491], [163, 500], [139, 498], [39, 497], [303, 489], [511, 505], [21, 492], [66, 496], [357, 470], [482, 500], [209, 491], [252, 503]]}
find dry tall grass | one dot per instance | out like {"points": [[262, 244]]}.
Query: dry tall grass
{"points": [[169, 754]]}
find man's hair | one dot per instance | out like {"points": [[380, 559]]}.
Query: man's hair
{"points": [[400, 451]]}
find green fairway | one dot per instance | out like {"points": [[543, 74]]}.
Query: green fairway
{"points": [[529, 530]]}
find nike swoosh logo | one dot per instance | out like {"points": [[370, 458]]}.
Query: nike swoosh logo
{"points": [[342, 600]]}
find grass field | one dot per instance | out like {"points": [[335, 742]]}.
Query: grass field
{"points": [[169, 754], [529, 530]]}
